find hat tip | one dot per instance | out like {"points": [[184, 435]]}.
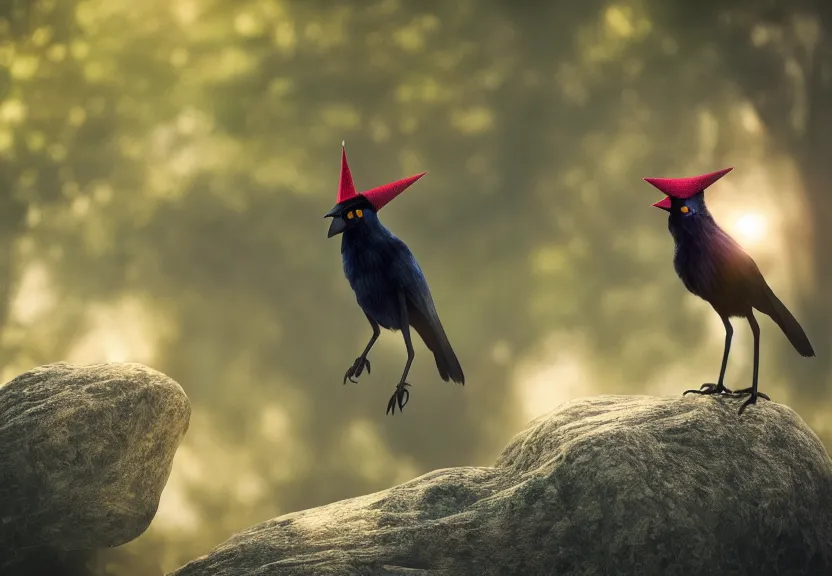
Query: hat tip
{"points": [[343, 144]]}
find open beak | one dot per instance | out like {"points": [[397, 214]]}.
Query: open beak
{"points": [[663, 204]]}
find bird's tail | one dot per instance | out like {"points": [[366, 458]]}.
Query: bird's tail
{"points": [[447, 362], [434, 337], [773, 307]]}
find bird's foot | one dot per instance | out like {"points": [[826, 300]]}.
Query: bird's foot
{"points": [[356, 369], [752, 397], [400, 397], [707, 389], [747, 392]]}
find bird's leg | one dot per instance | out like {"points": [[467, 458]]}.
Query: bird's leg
{"points": [[401, 395], [755, 330], [719, 387], [361, 362]]}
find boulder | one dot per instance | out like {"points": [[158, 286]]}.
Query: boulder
{"points": [[611, 485], [85, 452]]}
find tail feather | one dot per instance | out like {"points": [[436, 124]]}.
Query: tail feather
{"points": [[771, 305], [433, 335], [447, 362]]}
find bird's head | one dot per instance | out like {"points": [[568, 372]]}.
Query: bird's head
{"points": [[353, 209], [354, 212], [683, 208], [685, 197]]}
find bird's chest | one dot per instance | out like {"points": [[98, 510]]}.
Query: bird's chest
{"points": [[698, 268], [371, 275], [713, 267]]}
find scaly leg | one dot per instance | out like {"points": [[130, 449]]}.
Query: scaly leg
{"points": [[755, 329], [401, 395]]}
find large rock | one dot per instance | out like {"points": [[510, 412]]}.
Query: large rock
{"points": [[85, 452], [611, 485]]}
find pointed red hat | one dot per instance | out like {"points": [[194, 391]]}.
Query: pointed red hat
{"points": [[379, 196], [684, 187], [346, 188]]}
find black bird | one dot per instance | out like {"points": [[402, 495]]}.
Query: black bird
{"points": [[388, 283], [715, 268]]}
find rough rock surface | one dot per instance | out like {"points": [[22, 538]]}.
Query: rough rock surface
{"points": [[611, 485], [85, 452]]}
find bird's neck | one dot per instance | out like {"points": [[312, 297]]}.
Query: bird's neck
{"points": [[365, 236], [692, 229]]}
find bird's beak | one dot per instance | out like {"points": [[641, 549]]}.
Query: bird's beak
{"points": [[338, 225], [335, 210], [663, 204]]}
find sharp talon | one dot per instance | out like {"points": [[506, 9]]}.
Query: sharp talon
{"points": [[356, 369], [400, 396], [751, 400], [708, 389], [747, 391]]}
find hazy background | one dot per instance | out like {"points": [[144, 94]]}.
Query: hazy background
{"points": [[166, 164]]}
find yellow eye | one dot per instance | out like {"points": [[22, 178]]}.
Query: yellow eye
{"points": [[684, 209], [350, 215], [359, 213]]}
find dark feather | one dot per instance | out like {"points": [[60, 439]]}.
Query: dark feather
{"points": [[771, 305], [434, 338], [425, 320]]}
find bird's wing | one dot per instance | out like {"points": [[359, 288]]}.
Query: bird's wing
{"points": [[736, 267], [745, 273], [424, 318]]}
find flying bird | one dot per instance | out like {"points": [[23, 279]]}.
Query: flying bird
{"points": [[388, 283], [714, 267]]}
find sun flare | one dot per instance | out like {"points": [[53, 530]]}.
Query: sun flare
{"points": [[751, 228]]}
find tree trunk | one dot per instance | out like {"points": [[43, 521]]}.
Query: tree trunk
{"points": [[815, 161]]}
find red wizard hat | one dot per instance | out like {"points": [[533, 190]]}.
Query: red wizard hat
{"points": [[379, 196], [684, 187]]}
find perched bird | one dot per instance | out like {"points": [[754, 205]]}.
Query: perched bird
{"points": [[388, 283], [715, 268]]}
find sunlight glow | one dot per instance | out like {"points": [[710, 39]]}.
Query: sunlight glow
{"points": [[124, 332], [34, 297], [554, 375], [370, 456], [751, 228]]}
